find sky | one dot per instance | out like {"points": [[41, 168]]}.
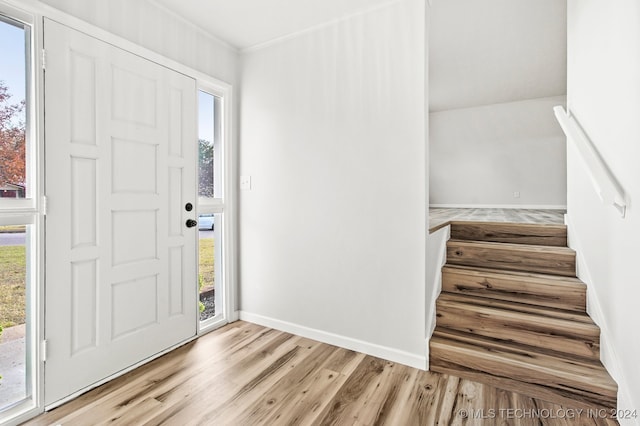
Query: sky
{"points": [[12, 60], [205, 116]]}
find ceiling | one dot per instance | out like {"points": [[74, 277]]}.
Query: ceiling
{"points": [[247, 23], [495, 51], [480, 52]]}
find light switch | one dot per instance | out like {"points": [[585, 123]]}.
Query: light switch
{"points": [[245, 183]]}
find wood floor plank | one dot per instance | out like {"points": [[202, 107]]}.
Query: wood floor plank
{"points": [[176, 395], [464, 408], [423, 404], [308, 398], [447, 400], [248, 380], [244, 374], [375, 402], [395, 413], [387, 395], [287, 389], [339, 410]]}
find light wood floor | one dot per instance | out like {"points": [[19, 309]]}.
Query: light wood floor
{"points": [[439, 217], [244, 374]]}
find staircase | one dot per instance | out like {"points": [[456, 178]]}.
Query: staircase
{"points": [[513, 314]]}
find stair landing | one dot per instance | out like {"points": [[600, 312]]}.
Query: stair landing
{"points": [[441, 217]]}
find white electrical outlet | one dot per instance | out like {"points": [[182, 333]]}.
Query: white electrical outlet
{"points": [[516, 194], [245, 183]]}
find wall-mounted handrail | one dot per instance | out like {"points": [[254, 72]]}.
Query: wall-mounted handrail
{"points": [[605, 184]]}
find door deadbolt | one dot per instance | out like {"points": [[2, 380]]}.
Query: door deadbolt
{"points": [[188, 207]]}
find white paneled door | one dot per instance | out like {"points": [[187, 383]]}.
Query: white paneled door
{"points": [[120, 259]]}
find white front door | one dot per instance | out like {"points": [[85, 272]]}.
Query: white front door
{"points": [[120, 260]]}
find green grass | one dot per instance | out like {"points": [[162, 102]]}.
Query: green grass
{"points": [[13, 278], [13, 228], [207, 271], [12, 285]]}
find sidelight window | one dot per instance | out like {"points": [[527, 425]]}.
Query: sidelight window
{"points": [[19, 219], [211, 207]]}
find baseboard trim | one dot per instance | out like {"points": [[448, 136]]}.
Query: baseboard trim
{"points": [[608, 354], [384, 352], [501, 206]]}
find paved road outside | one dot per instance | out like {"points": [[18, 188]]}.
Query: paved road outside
{"points": [[18, 239], [12, 366], [12, 239], [206, 234]]}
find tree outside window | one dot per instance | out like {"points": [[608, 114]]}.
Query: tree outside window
{"points": [[12, 143]]}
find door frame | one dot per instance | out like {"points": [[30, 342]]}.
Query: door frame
{"points": [[221, 88], [37, 11], [121, 287]]}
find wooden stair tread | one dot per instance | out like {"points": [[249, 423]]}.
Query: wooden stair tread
{"points": [[520, 368], [490, 343], [522, 308], [519, 257], [521, 287], [476, 270], [519, 233], [522, 248], [513, 314], [578, 338]]}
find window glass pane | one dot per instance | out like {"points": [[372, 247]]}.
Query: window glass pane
{"points": [[209, 267], [13, 118], [209, 146], [14, 279]]}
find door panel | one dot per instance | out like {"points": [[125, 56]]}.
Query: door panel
{"points": [[120, 263]]}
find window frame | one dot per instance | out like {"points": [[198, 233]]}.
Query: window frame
{"points": [[13, 16], [220, 205], [30, 210]]}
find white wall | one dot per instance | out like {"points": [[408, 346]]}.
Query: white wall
{"points": [[604, 96], [157, 29], [332, 241], [496, 69], [482, 155]]}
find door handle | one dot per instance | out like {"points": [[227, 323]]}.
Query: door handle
{"points": [[191, 223]]}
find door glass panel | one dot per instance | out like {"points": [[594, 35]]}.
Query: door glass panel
{"points": [[14, 287], [209, 265], [209, 146], [17, 242], [14, 39]]}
